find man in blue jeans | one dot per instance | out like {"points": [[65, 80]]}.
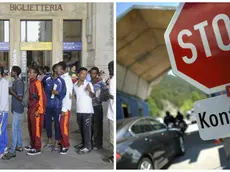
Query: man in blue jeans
{"points": [[17, 108], [4, 108]]}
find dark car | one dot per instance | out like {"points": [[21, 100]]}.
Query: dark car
{"points": [[145, 143]]}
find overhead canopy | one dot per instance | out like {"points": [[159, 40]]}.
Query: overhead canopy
{"points": [[140, 40]]}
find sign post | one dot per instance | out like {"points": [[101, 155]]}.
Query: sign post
{"points": [[198, 44]]}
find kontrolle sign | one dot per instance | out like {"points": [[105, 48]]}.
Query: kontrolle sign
{"points": [[213, 121], [36, 7]]}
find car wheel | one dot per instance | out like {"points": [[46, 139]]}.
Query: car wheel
{"points": [[181, 146], [145, 164]]}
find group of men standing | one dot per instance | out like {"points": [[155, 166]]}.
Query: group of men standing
{"points": [[50, 100]]}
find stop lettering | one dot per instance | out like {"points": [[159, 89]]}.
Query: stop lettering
{"points": [[198, 43]]}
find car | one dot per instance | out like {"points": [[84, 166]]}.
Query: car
{"points": [[145, 143]]}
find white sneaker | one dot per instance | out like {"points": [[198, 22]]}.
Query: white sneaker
{"points": [[1, 155], [27, 148], [6, 150]]}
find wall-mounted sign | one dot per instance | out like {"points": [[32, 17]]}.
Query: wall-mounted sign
{"points": [[36, 7], [4, 46], [72, 46], [23, 61], [37, 46], [14, 57], [57, 57]]}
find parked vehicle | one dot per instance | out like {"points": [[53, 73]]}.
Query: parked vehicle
{"points": [[145, 143]]}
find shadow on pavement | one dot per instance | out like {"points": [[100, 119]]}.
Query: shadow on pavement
{"points": [[194, 145]]}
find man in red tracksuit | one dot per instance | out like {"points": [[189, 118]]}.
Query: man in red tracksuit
{"points": [[35, 113]]}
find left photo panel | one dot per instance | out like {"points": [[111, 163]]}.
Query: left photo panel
{"points": [[56, 85]]}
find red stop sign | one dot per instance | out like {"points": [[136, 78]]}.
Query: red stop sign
{"points": [[198, 44]]}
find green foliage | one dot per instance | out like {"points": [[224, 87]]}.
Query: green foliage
{"points": [[188, 104], [153, 107], [177, 91]]}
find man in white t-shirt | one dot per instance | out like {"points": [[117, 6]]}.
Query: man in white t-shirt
{"points": [[4, 110], [84, 107], [110, 114]]}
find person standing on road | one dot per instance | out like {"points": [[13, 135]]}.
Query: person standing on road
{"points": [[84, 93], [4, 108], [36, 112], [179, 116], [98, 110], [17, 109], [169, 119], [55, 90], [110, 114], [66, 109]]}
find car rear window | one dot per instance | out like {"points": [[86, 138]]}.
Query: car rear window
{"points": [[123, 122]]}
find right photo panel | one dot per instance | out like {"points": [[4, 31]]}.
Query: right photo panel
{"points": [[173, 85]]}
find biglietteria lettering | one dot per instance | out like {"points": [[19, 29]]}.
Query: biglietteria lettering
{"points": [[36, 7], [213, 120]]}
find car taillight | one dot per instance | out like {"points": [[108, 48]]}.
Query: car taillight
{"points": [[118, 156]]}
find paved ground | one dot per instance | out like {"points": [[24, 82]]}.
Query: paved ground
{"points": [[200, 154], [72, 160]]}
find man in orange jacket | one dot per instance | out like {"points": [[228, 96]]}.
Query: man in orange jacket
{"points": [[35, 113]]}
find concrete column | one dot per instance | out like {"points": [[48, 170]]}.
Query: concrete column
{"points": [[104, 35], [15, 34], [57, 39], [84, 53]]}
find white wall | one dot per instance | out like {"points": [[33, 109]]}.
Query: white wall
{"points": [[130, 83], [100, 35]]}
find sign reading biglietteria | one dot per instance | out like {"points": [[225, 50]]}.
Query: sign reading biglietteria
{"points": [[213, 117]]}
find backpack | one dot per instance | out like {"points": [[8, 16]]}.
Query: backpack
{"points": [[25, 100]]}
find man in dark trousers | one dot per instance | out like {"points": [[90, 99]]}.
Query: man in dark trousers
{"points": [[55, 90], [110, 113], [98, 110], [84, 93]]}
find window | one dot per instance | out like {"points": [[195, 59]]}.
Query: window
{"points": [[4, 31], [36, 31], [71, 31], [156, 125], [142, 126], [72, 45]]}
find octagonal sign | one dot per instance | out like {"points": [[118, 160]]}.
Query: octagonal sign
{"points": [[198, 44]]}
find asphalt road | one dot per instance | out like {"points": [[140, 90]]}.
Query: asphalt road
{"points": [[200, 154]]}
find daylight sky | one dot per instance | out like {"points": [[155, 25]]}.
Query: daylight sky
{"points": [[123, 6]]}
